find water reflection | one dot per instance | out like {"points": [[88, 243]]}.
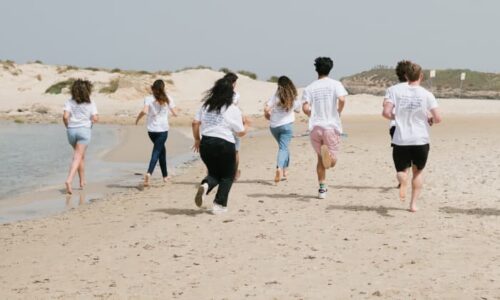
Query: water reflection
{"points": [[76, 199]]}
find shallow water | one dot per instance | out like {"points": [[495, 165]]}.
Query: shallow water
{"points": [[34, 156], [34, 161]]}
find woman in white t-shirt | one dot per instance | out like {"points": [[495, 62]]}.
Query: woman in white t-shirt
{"points": [[280, 111], [214, 127], [157, 107], [79, 115]]}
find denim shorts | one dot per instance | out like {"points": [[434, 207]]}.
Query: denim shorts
{"points": [[79, 135], [237, 142]]}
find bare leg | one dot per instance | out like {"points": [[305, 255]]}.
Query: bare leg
{"points": [[403, 184], [277, 176], [416, 187], [77, 158], [81, 172], [237, 164], [146, 179], [285, 173], [320, 169]]}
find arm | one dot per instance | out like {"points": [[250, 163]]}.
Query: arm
{"points": [[196, 135], [246, 125], [341, 104], [66, 118], [267, 112], [436, 116], [387, 111], [95, 118], [141, 114], [306, 108], [174, 111]]}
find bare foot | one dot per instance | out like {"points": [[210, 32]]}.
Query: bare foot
{"points": [[166, 179], [326, 158], [402, 191], [69, 190], [146, 179], [237, 175], [83, 184], [413, 208], [277, 176]]}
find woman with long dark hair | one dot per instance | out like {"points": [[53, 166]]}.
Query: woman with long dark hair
{"points": [[279, 111], [157, 107], [80, 113], [214, 127]]}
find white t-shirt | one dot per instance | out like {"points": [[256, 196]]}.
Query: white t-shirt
{"points": [[279, 115], [158, 114], [412, 105], [388, 93], [236, 98], [221, 125], [80, 115], [322, 95]]}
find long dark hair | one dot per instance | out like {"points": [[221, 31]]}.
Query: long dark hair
{"points": [[158, 89], [81, 90], [287, 93], [220, 95]]}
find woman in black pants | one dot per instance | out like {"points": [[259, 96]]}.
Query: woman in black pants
{"points": [[216, 123], [157, 107]]}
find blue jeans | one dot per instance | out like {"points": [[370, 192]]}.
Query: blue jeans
{"points": [[159, 152], [283, 135]]}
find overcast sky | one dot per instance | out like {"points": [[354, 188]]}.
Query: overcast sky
{"points": [[269, 37]]}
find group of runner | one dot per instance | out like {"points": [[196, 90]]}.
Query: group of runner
{"points": [[219, 124]]}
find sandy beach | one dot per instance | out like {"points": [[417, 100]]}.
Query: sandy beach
{"points": [[280, 242], [276, 242]]}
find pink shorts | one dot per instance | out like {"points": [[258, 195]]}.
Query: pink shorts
{"points": [[322, 136]]}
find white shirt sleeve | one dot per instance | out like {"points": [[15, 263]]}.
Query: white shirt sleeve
{"points": [[197, 116], [297, 104], [340, 90], [431, 102], [234, 119], [388, 96], [93, 108], [171, 105], [271, 101], [67, 106], [306, 96], [236, 98]]}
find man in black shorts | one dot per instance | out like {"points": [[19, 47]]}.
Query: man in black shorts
{"points": [[409, 105]]}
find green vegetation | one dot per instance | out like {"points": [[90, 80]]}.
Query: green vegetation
{"points": [[38, 62], [247, 73], [58, 87], [112, 87], [39, 77], [199, 67], [225, 70], [116, 70], [273, 79], [93, 69], [18, 121], [446, 84]]}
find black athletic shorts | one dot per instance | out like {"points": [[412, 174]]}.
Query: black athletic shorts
{"points": [[391, 133], [406, 156]]}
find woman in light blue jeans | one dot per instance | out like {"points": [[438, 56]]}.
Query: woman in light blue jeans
{"points": [[280, 111]]}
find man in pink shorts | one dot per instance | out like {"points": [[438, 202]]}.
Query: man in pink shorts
{"points": [[324, 101]]}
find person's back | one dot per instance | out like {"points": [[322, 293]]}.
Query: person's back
{"points": [[411, 107], [323, 94]]}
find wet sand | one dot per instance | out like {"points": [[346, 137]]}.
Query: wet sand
{"points": [[280, 242]]}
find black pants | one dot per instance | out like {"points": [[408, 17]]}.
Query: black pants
{"points": [[159, 152], [219, 156]]}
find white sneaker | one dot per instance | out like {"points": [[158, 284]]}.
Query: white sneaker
{"points": [[218, 209], [200, 194], [322, 193]]}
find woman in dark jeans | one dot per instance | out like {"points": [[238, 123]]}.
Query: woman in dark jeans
{"points": [[214, 127], [157, 108]]}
